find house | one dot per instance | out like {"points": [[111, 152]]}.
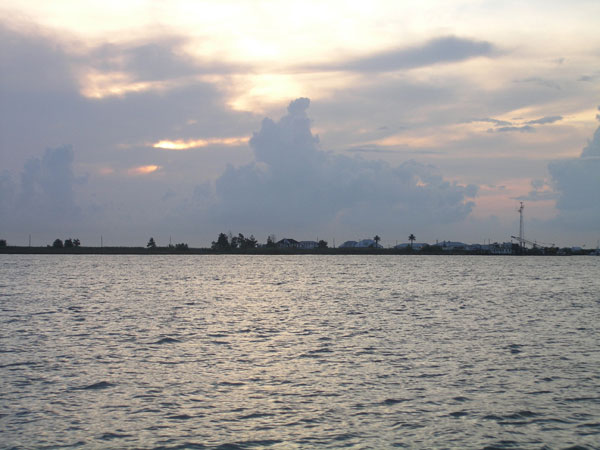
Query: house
{"points": [[287, 243], [450, 245], [368, 243], [307, 245]]}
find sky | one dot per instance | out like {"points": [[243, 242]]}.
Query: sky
{"points": [[334, 120]]}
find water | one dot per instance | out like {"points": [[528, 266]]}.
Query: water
{"points": [[175, 352]]}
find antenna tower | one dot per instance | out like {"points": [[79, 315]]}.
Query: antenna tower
{"points": [[521, 226]]}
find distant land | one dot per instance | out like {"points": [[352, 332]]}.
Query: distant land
{"points": [[431, 250]]}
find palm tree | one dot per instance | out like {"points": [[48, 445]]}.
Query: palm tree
{"points": [[411, 238], [376, 239]]}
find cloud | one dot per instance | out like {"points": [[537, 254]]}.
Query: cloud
{"points": [[40, 90], [577, 182], [152, 59], [441, 50], [541, 191], [491, 120], [589, 78], [180, 144], [544, 120], [295, 186], [504, 126], [143, 170], [45, 196], [541, 82], [521, 129]]}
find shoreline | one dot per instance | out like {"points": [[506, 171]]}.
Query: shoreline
{"points": [[24, 250]]}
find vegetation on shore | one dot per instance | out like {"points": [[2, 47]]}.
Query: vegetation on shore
{"points": [[229, 244]]}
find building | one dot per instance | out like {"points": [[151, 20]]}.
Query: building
{"points": [[287, 243], [307, 245], [368, 243], [415, 246], [451, 246]]}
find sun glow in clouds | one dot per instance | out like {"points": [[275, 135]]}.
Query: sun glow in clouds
{"points": [[99, 85], [143, 170], [180, 144]]}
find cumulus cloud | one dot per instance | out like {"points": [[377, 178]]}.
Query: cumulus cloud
{"points": [[45, 196], [577, 183], [293, 185]]}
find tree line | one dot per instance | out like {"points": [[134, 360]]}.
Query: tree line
{"points": [[229, 242]]}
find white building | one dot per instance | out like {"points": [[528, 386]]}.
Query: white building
{"points": [[307, 245]]}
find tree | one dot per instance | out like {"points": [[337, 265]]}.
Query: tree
{"points": [[411, 238], [251, 242], [151, 243], [222, 243], [246, 243], [271, 241], [376, 239], [76, 242], [68, 243], [237, 241], [2, 242], [57, 243], [322, 244], [181, 246]]}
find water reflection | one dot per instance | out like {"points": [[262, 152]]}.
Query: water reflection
{"points": [[305, 351]]}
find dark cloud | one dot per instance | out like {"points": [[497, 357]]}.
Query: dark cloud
{"points": [[293, 185], [544, 120], [436, 51]]}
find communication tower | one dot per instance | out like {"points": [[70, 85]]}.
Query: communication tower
{"points": [[521, 226]]}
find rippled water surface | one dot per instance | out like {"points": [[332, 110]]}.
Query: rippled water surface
{"points": [[176, 352]]}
